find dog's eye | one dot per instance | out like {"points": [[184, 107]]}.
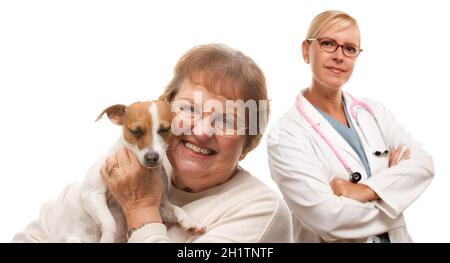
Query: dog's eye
{"points": [[163, 130], [137, 133]]}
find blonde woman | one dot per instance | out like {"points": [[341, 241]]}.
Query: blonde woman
{"points": [[345, 166]]}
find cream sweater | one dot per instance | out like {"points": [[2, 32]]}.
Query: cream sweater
{"points": [[240, 210]]}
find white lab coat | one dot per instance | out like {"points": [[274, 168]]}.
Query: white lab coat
{"points": [[303, 165]]}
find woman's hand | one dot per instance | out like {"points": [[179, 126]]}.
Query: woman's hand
{"points": [[394, 155], [361, 192], [358, 192], [136, 189]]}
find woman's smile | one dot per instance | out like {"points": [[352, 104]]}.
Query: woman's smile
{"points": [[336, 70], [197, 151]]}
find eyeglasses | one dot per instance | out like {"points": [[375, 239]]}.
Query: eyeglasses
{"points": [[223, 124], [330, 45]]}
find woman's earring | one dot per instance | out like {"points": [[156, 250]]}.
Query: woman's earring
{"points": [[307, 60]]}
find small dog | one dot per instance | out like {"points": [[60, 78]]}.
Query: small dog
{"points": [[88, 213]]}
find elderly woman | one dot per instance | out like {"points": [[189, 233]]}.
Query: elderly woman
{"points": [[346, 167], [206, 179]]}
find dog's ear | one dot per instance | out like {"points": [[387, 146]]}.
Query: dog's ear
{"points": [[165, 110], [115, 113]]}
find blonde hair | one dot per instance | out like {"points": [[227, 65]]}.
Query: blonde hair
{"points": [[327, 20], [225, 72]]}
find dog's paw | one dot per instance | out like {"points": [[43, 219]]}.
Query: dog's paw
{"points": [[196, 230]]}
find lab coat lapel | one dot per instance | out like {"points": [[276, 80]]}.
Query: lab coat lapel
{"points": [[335, 138], [372, 133]]}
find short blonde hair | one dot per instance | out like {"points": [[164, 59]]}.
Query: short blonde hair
{"points": [[329, 19], [225, 72]]}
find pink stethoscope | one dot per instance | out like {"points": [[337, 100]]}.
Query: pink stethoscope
{"points": [[355, 177]]}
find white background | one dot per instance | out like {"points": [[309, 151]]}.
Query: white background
{"points": [[63, 62]]}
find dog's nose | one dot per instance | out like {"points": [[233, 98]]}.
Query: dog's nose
{"points": [[151, 158]]}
